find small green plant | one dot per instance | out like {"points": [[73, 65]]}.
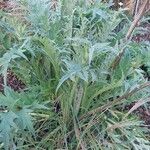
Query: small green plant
{"points": [[65, 52]]}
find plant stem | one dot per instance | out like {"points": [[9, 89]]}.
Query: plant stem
{"points": [[136, 20], [128, 35]]}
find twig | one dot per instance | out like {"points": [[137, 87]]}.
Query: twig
{"points": [[116, 101], [136, 19], [128, 35]]}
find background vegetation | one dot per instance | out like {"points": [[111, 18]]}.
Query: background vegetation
{"points": [[76, 89]]}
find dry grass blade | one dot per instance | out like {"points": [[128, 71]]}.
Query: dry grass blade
{"points": [[116, 101], [120, 125], [137, 105], [128, 35], [137, 19]]}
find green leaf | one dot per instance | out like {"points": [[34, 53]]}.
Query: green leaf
{"points": [[7, 125], [24, 120]]}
